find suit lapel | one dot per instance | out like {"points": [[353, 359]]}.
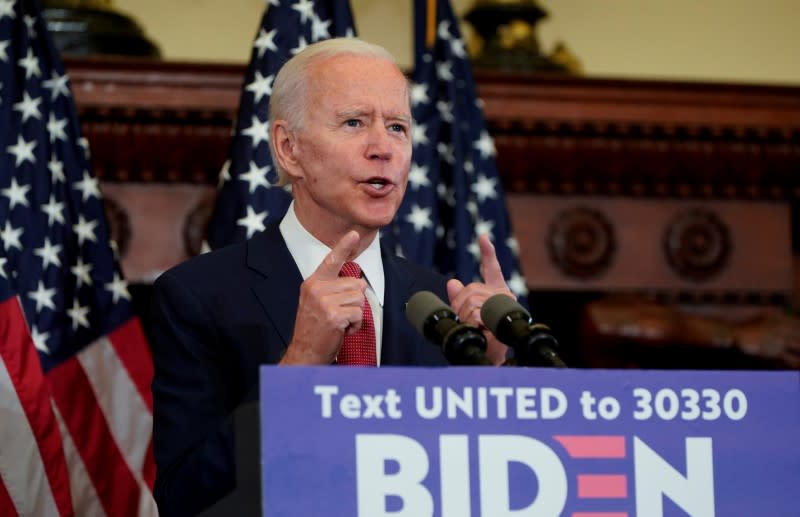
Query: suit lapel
{"points": [[396, 345], [276, 279]]}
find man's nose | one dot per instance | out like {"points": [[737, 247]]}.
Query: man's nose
{"points": [[379, 146]]}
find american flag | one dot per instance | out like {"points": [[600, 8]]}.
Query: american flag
{"points": [[454, 190], [247, 198], [75, 370]]}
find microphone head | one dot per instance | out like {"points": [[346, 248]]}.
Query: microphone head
{"points": [[421, 306], [499, 307]]}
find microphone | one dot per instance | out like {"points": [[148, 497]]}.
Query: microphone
{"points": [[462, 344], [533, 343]]}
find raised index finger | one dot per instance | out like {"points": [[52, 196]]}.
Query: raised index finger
{"points": [[341, 253], [490, 266]]}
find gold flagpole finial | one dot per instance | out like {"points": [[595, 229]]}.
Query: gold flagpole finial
{"points": [[430, 38]]}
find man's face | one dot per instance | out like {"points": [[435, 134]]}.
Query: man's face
{"points": [[351, 157]]}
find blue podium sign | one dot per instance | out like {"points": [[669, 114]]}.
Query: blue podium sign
{"points": [[518, 442]]}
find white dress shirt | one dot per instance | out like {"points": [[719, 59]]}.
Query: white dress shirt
{"points": [[308, 253]]}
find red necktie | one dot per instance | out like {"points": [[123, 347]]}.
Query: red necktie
{"points": [[358, 349]]}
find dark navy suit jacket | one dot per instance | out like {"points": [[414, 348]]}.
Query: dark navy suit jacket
{"points": [[214, 320]]}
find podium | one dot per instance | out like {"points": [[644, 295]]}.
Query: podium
{"points": [[523, 442]]}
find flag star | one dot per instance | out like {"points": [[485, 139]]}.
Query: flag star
{"points": [[85, 230], [419, 94], [349, 33], [517, 284], [3, 261], [446, 152], [43, 297], [56, 169], [418, 134], [485, 188], [118, 288], [54, 210], [253, 221], [485, 145], [3, 46], [475, 250], [55, 126], [305, 8], [7, 9], [440, 231], [22, 151], [224, 173], [88, 186], [265, 41], [28, 107], [472, 208], [457, 47], [31, 65], [483, 227], [469, 168], [301, 45], [16, 194], [445, 111], [513, 245], [420, 218], [57, 84], [447, 194], [319, 28], [443, 31], [30, 22], [256, 176], [261, 86], [276, 3], [49, 253], [443, 71], [418, 176], [79, 315], [84, 143], [82, 272], [40, 340], [258, 131], [11, 236]]}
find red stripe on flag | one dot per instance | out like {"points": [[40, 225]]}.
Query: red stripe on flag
{"points": [[149, 467], [113, 480], [25, 371], [131, 346], [6, 504]]}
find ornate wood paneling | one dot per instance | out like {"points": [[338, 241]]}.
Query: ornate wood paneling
{"points": [[562, 143]]}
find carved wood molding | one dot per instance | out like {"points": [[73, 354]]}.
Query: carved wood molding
{"points": [[171, 122]]}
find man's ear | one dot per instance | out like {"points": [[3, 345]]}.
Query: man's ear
{"points": [[285, 142]]}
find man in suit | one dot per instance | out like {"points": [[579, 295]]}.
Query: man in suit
{"points": [[341, 136]]}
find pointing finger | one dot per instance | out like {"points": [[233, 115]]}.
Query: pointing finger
{"points": [[341, 253], [490, 266]]}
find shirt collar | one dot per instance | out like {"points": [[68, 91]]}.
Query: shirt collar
{"points": [[308, 253]]}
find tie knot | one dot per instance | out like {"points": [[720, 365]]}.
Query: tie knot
{"points": [[350, 269]]}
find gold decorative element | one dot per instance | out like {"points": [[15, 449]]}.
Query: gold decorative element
{"points": [[102, 5]]}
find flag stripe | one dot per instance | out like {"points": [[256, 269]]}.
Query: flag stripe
{"points": [[6, 504], [84, 496], [131, 347], [125, 412], [116, 486], [29, 434]]}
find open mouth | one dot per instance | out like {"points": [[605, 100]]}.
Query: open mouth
{"points": [[379, 184]]}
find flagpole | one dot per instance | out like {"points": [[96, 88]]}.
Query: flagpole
{"points": [[430, 35]]}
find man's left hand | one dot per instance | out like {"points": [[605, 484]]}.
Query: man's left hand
{"points": [[468, 300]]}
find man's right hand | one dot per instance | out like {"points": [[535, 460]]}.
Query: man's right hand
{"points": [[329, 306]]}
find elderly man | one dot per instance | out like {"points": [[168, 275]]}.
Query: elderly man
{"points": [[317, 289]]}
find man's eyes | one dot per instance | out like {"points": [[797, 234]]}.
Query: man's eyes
{"points": [[399, 128], [352, 122]]}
